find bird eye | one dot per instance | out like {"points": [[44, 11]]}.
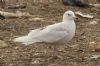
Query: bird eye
{"points": [[69, 14]]}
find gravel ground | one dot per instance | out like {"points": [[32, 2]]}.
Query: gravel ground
{"points": [[77, 52]]}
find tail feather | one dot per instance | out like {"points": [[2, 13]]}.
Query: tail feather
{"points": [[21, 39], [25, 40]]}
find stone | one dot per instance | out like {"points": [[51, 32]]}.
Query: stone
{"points": [[3, 44]]}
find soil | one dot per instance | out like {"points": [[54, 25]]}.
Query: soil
{"points": [[77, 52]]}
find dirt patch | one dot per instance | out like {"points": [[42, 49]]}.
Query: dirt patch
{"points": [[41, 54]]}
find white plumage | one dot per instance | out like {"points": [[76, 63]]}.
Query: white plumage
{"points": [[60, 32]]}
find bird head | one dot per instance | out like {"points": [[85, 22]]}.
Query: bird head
{"points": [[69, 15]]}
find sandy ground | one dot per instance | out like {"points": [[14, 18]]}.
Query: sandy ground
{"points": [[77, 52]]}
